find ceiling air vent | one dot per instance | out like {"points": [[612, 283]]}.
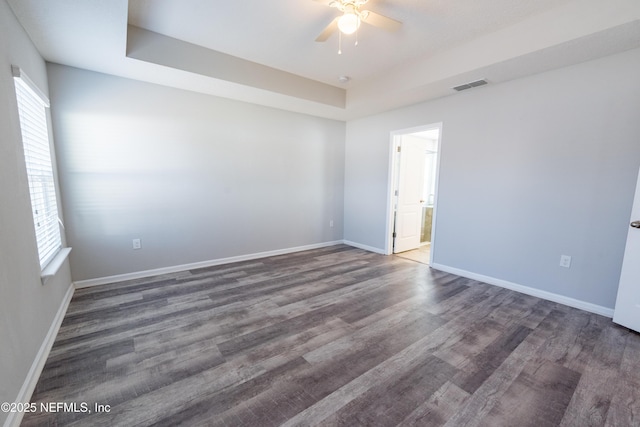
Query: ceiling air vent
{"points": [[469, 85]]}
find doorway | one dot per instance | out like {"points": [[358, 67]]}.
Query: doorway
{"points": [[413, 182]]}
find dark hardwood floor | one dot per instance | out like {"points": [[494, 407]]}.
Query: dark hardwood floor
{"points": [[334, 336]]}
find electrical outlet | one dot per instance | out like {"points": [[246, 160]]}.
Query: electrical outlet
{"points": [[331, 223], [565, 261], [137, 244]]}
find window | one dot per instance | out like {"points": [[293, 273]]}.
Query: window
{"points": [[35, 140]]}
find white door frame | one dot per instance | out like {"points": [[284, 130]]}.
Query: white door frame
{"points": [[393, 177]]}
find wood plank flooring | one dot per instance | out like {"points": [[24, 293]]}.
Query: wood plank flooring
{"points": [[334, 337]]}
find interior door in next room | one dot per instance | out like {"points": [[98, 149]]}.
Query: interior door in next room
{"points": [[408, 224]]}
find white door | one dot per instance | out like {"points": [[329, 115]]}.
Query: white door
{"points": [[627, 312], [410, 189]]}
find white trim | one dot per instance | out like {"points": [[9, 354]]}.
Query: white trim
{"points": [[365, 247], [19, 74], [391, 186], [392, 178], [30, 382], [550, 296], [210, 263], [54, 265], [434, 215]]}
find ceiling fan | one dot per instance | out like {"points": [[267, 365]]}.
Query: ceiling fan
{"points": [[352, 16]]}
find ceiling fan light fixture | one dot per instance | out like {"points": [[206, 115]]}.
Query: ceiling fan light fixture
{"points": [[349, 22]]}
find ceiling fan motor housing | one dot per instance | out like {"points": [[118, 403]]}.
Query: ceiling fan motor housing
{"points": [[344, 5], [352, 17]]}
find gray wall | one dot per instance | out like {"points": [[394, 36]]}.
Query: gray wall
{"points": [[27, 308], [196, 177], [530, 169]]}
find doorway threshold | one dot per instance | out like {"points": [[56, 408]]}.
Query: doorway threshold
{"points": [[420, 255]]}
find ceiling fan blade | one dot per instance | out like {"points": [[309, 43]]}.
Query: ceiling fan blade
{"points": [[330, 3], [381, 21], [330, 29]]}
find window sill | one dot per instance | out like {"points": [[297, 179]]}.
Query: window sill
{"points": [[52, 268]]}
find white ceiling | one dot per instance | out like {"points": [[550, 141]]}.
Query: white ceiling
{"points": [[281, 33], [264, 51]]}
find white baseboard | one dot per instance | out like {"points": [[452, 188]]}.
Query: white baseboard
{"points": [[177, 268], [561, 299], [365, 247], [30, 382]]}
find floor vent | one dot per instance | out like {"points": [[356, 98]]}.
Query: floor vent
{"points": [[469, 85]]}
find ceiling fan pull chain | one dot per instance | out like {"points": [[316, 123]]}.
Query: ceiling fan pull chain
{"points": [[339, 42], [356, 37]]}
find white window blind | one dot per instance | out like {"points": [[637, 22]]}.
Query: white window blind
{"points": [[37, 154]]}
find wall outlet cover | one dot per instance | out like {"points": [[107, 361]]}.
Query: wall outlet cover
{"points": [[565, 261]]}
